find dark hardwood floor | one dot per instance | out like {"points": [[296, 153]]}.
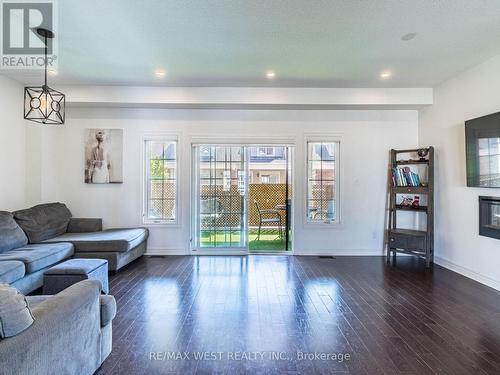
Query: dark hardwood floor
{"points": [[387, 319]]}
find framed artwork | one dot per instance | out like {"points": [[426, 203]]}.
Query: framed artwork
{"points": [[103, 156]]}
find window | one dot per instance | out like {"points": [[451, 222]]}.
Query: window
{"points": [[265, 179], [160, 198], [270, 178], [265, 151], [322, 187]]}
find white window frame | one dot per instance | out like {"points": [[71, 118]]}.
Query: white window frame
{"points": [[324, 138], [145, 179]]}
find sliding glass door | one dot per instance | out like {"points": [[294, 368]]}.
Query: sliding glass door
{"points": [[242, 198], [269, 192], [221, 197]]}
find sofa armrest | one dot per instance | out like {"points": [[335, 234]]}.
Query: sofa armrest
{"points": [[77, 225], [108, 309], [107, 306], [66, 325]]}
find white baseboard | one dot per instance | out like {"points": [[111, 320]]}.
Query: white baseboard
{"points": [[340, 252], [166, 252], [495, 284]]}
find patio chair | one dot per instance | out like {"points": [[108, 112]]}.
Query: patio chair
{"points": [[211, 209], [268, 216], [328, 214]]}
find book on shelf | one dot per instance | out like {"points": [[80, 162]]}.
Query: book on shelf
{"points": [[405, 177]]}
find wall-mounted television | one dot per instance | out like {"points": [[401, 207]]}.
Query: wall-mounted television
{"points": [[482, 141]]}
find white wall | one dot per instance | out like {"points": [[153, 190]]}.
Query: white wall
{"points": [[12, 145], [367, 137], [458, 245]]}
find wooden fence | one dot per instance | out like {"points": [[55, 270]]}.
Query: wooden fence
{"points": [[225, 209]]}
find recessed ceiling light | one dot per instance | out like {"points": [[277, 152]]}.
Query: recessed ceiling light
{"points": [[160, 73], [386, 74], [52, 72], [270, 74], [408, 36]]}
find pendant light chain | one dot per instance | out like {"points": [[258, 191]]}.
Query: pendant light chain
{"points": [[46, 60]]}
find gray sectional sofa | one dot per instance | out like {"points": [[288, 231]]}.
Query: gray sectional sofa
{"points": [[35, 239], [23, 264], [71, 333]]}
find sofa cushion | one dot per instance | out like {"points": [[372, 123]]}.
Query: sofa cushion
{"points": [[109, 240], [38, 256], [77, 267], [15, 315], [85, 225], [11, 270], [11, 235], [43, 221]]}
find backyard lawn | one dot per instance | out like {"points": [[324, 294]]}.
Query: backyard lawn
{"points": [[269, 240]]}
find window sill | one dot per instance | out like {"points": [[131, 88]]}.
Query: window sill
{"points": [[169, 224], [323, 225]]}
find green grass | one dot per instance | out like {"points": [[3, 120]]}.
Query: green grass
{"points": [[269, 240]]}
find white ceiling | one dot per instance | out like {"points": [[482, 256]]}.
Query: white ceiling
{"points": [[309, 43]]}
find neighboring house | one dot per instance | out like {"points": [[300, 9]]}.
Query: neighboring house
{"points": [[267, 164]]}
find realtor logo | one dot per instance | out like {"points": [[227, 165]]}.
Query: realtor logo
{"points": [[22, 47]]}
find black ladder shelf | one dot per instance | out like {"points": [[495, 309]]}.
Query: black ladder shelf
{"points": [[410, 241]]}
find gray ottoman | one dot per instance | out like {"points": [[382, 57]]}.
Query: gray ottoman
{"points": [[67, 273]]}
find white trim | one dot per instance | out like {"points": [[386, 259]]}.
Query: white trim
{"points": [[163, 224], [169, 223], [165, 137], [246, 97], [249, 141], [495, 284], [153, 252], [325, 137], [340, 252], [193, 203], [219, 251], [337, 252], [367, 252]]}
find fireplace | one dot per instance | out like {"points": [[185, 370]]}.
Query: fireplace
{"points": [[489, 217]]}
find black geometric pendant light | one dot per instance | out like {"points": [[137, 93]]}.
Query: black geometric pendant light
{"points": [[41, 103]]}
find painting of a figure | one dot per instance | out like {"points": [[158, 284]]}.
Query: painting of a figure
{"points": [[103, 156]]}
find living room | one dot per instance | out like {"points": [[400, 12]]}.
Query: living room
{"points": [[232, 187]]}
